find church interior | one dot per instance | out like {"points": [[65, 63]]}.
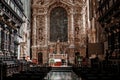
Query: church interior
{"points": [[59, 39]]}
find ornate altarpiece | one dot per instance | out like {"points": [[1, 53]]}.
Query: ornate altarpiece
{"points": [[41, 12]]}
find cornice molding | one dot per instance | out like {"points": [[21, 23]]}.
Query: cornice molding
{"points": [[49, 3]]}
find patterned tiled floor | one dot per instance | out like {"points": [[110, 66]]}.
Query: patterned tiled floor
{"points": [[61, 76]]}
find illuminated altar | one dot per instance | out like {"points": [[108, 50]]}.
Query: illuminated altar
{"points": [[58, 60]]}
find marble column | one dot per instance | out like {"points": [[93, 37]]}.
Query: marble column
{"points": [[72, 28], [34, 37], [34, 30], [84, 21], [71, 46], [45, 55], [46, 31]]}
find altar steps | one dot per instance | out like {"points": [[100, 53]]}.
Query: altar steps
{"points": [[68, 68]]}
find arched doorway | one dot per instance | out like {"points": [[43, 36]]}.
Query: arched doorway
{"points": [[40, 58], [58, 25]]}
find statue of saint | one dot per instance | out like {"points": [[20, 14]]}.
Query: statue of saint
{"points": [[58, 46]]}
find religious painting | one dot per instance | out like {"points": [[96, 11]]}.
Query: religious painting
{"points": [[58, 25]]}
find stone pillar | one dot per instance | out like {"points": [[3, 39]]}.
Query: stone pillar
{"points": [[12, 42], [5, 37], [34, 38], [45, 55], [46, 31], [0, 40], [71, 55], [45, 47], [8, 42], [34, 30], [71, 46], [72, 28], [93, 31]]}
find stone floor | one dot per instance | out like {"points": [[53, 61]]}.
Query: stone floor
{"points": [[61, 76]]}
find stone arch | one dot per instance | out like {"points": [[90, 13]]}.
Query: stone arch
{"points": [[66, 7]]}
